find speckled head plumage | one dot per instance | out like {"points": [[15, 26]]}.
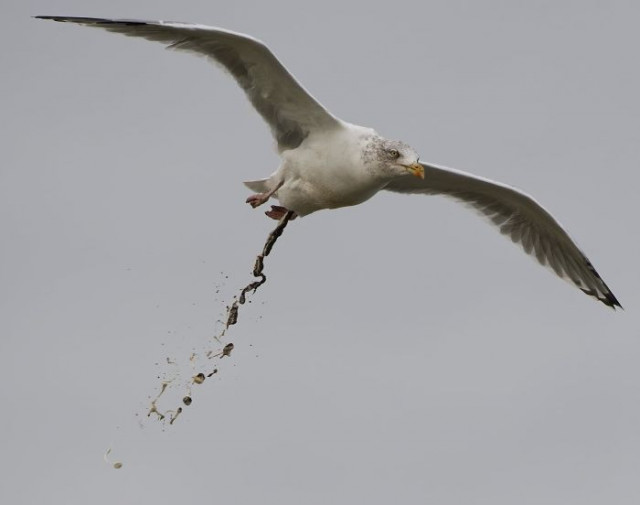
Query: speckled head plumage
{"points": [[391, 158]]}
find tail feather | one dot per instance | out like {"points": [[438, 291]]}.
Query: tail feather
{"points": [[259, 186]]}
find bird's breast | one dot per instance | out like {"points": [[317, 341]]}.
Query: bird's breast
{"points": [[324, 187], [326, 172]]}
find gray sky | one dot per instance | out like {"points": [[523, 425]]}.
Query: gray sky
{"points": [[401, 351]]}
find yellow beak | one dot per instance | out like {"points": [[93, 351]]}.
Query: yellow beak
{"points": [[416, 169]]}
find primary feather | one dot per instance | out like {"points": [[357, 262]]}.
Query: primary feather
{"points": [[517, 216]]}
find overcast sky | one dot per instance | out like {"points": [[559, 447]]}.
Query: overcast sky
{"points": [[401, 351]]}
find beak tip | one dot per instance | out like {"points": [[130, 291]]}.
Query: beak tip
{"points": [[417, 170]]}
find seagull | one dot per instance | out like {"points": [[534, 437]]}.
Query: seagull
{"points": [[328, 163]]}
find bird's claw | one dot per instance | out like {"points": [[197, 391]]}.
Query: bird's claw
{"points": [[257, 199], [277, 212]]}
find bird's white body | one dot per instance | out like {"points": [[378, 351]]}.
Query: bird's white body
{"points": [[314, 177]]}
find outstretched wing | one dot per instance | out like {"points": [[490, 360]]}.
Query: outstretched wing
{"points": [[519, 217], [284, 104]]}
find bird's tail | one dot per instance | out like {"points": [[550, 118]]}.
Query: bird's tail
{"points": [[259, 186]]}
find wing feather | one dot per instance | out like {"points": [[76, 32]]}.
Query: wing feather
{"points": [[517, 216], [291, 112]]}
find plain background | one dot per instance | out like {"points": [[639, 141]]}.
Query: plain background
{"points": [[401, 351]]}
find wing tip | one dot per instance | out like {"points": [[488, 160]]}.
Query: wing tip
{"points": [[606, 297], [612, 301], [63, 19], [91, 21]]}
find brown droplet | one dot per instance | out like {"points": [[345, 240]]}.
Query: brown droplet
{"points": [[232, 318], [116, 464], [215, 370], [226, 350], [175, 416], [198, 379], [186, 400], [153, 409]]}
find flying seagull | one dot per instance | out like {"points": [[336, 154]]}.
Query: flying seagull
{"points": [[328, 163]]}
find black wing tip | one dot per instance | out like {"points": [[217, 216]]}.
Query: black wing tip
{"points": [[92, 21], [608, 298], [612, 301]]}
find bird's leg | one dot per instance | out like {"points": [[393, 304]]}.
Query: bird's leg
{"points": [[259, 198], [278, 213]]}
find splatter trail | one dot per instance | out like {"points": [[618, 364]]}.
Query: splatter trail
{"points": [[231, 319]]}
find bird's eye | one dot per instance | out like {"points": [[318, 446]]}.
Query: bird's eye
{"points": [[394, 153]]}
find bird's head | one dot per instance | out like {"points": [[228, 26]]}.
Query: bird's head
{"points": [[395, 158]]}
